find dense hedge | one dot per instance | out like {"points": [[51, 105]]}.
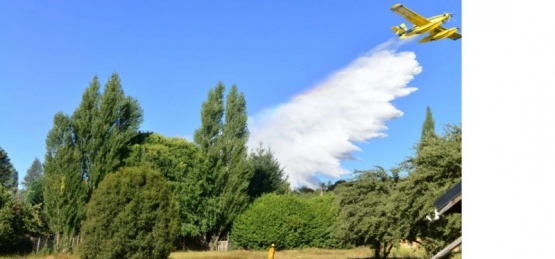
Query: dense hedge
{"points": [[288, 221], [131, 215]]}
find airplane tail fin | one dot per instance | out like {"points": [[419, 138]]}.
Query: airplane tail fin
{"points": [[399, 29]]}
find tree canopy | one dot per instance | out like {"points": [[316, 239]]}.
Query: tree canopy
{"points": [[368, 215], [436, 168], [82, 148], [131, 215], [8, 174], [180, 163], [222, 139], [380, 209]]}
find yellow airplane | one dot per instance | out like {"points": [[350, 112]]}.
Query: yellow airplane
{"points": [[424, 25]]}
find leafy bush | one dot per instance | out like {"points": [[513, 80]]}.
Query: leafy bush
{"points": [[287, 221], [132, 214], [322, 216]]}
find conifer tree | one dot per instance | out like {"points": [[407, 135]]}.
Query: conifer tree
{"points": [[428, 127], [8, 174], [428, 130], [268, 175], [33, 173]]}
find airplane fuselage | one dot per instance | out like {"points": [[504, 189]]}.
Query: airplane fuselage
{"points": [[435, 22]]}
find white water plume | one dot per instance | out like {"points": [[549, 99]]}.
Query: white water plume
{"points": [[315, 130]]}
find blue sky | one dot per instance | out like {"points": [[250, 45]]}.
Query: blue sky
{"points": [[170, 54]]}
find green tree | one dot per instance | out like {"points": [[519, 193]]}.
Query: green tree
{"points": [[33, 173], [435, 168], [331, 187], [208, 138], [222, 141], [65, 189], [8, 174], [132, 214], [367, 214], [18, 221], [268, 175], [34, 193], [428, 129], [33, 184], [82, 149], [179, 161], [7, 218], [236, 174]]}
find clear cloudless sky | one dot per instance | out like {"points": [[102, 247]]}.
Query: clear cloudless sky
{"points": [[168, 54]]}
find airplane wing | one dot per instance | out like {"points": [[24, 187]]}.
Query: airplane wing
{"points": [[409, 15], [454, 36]]}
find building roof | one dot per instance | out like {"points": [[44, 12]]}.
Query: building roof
{"points": [[450, 201]]}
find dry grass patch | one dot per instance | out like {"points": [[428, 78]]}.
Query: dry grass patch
{"points": [[60, 256], [308, 253], [293, 254]]}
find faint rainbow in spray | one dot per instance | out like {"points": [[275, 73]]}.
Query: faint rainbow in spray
{"points": [[316, 129]]}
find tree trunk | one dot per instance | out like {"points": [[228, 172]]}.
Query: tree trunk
{"points": [[377, 252], [57, 246], [38, 245], [214, 242]]}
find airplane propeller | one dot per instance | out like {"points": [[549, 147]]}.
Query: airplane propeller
{"points": [[451, 16]]}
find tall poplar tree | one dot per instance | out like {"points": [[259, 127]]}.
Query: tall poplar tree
{"points": [[208, 138], [64, 187], [237, 173], [222, 140], [82, 149]]}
